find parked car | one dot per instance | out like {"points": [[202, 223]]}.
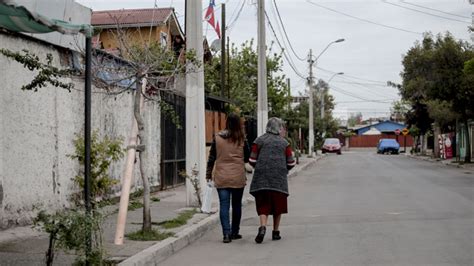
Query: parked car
{"points": [[388, 146], [331, 145]]}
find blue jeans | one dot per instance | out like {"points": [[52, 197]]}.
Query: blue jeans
{"points": [[225, 195]]}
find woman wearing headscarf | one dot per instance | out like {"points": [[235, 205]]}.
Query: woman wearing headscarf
{"points": [[229, 152], [272, 157]]}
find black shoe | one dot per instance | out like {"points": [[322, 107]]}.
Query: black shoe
{"points": [[260, 235], [227, 239], [276, 235], [235, 236]]}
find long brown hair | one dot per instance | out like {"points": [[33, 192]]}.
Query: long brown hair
{"points": [[234, 127]]}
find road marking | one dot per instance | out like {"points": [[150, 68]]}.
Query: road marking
{"points": [[394, 213]]}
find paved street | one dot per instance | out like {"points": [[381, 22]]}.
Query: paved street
{"points": [[359, 209]]}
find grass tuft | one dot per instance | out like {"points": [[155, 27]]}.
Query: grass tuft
{"points": [[182, 219], [153, 235], [133, 205]]}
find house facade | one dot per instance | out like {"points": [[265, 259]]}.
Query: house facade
{"points": [[382, 127], [160, 26], [137, 26]]}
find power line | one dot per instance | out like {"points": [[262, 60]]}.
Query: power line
{"points": [[376, 93], [363, 19], [422, 12], [353, 77], [437, 10], [371, 90], [282, 49], [233, 21], [371, 101], [349, 93], [355, 95], [363, 112], [286, 35], [361, 83], [284, 43]]}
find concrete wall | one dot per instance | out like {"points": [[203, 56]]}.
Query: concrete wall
{"points": [[36, 133]]}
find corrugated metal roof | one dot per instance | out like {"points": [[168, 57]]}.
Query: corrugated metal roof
{"points": [[131, 16]]}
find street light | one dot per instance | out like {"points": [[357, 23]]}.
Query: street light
{"points": [[336, 41], [335, 74], [323, 133], [311, 122]]}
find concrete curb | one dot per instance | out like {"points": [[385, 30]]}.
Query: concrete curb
{"points": [[164, 249], [443, 162], [295, 173]]}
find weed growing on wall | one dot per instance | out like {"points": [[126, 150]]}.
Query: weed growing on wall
{"points": [[195, 183], [46, 73]]}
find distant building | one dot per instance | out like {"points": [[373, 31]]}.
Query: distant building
{"points": [[382, 127], [296, 100]]}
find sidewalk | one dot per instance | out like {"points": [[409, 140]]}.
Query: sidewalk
{"points": [[25, 246], [450, 162]]}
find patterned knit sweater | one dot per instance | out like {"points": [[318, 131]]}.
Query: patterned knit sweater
{"points": [[272, 157]]}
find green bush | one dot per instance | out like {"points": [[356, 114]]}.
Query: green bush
{"points": [[104, 152], [69, 230]]}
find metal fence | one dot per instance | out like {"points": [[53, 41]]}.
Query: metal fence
{"points": [[173, 142]]}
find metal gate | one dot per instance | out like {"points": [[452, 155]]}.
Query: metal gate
{"points": [[173, 142]]}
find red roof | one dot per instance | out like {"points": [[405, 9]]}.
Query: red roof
{"points": [[131, 16]]}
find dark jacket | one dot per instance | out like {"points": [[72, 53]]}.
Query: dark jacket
{"points": [[272, 157]]}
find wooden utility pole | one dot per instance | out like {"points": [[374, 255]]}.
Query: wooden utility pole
{"points": [[223, 53], [262, 104]]}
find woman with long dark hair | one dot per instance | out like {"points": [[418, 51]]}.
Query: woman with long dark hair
{"points": [[229, 153]]}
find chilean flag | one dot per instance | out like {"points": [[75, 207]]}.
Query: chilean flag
{"points": [[218, 30], [209, 17]]}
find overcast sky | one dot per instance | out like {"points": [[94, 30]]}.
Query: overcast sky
{"points": [[376, 34]]}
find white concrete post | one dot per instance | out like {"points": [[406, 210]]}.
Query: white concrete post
{"points": [[472, 16], [311, 101], [195, 124], [262, 104]]}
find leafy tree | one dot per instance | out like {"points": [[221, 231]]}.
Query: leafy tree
{"points": [[242, 76], [152, 70], [442, 112], [437, 81], [104, 151], [399, 110], [354, 119], [329, 125], [298, 117]]}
